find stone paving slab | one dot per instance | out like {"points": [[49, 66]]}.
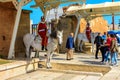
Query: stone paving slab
{"points": [[79, 58], [43, 75], [114, 74], [86, 59]]}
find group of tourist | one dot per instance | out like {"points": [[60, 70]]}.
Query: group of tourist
{"points": [[107, 44]]}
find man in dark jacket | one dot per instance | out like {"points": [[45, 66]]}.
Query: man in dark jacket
{"points": [[70, 46], [98, 41]]}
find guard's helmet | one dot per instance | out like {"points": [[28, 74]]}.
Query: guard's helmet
{"points": [[42, 17], [88, 24]]}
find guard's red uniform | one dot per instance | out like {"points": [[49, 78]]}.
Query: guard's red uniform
{"points": [[88, 32], [42, 31]]}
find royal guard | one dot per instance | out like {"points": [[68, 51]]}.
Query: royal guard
{"points": [[42, 31], [88, 32]]}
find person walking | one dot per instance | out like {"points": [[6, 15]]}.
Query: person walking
{"points": [[114, 50], [107, 44], [103, 47], [98, 42], [42, 31], [70, 46]]}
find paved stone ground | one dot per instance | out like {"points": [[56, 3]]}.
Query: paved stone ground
{"points": [[79, 58], [43, 75]]}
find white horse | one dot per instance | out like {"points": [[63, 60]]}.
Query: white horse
{"points": [[83, 38], [54, 39]]}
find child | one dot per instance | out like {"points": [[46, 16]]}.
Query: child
{"points": [[70, 46]]}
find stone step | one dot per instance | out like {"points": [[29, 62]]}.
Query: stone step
{"points": [[77, 67], [17, 68], [71, 72], [45, 74]]}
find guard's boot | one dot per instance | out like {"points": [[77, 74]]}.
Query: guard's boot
{"points": [[45, 48], [42, 48]]}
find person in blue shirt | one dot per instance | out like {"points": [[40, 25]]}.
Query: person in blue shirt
{"points": [[104, 36], [70, 46]]}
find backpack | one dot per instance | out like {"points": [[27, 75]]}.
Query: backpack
{"points": [[113, 47]]}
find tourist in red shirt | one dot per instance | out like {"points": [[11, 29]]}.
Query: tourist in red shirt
{"points": [[107, 44]]}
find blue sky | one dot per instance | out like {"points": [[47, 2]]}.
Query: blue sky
{"points": [[37, 13]]}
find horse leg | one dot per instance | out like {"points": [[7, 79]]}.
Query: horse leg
{"points": [[37, 54], [57, 49], [48, 60], [78, 45], [51, 55], [27, 52], [81, 45]]}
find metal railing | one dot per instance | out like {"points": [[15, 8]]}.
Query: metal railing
{"points": [[34, 29]]}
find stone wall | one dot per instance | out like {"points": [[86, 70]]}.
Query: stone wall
{"points": [[7, 19], [67, 24], [97, 24]]}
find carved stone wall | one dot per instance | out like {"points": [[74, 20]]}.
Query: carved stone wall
{"points": [[67, 24], [7, 20]]}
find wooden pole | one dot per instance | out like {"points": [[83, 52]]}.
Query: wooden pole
{"points": [[11, 49], [77, 28], [113, 19], [12, 44]]}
